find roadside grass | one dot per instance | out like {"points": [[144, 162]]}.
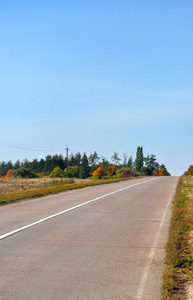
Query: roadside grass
{"points": [[28, 188], [178, 274], [20, 184]]}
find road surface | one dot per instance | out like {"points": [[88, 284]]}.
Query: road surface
{"points": [[102, 242]]}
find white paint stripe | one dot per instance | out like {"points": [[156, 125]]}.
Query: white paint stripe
{"points": [[69, 209], [144, 277]]}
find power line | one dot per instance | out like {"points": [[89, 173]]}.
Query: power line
{"points": [[27, 147]]}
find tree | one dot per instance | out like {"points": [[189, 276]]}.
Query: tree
{"points": [[124, 172], [34, 165], [48, 164], [41, 165], [26, 163], [130, 162], [57, 172], [84, 167], [125, 157], [190, 170], [161, 172], [72, 172], [111, 170], [78, 159], [3, 169], [9, 174], [166, 173], [150, 161], [17, 164], [9, 165], [24, 173], [146, 171], [139, 159], [93, 159], [104, 165], [98, 173], [115, 158], [72, 161]]}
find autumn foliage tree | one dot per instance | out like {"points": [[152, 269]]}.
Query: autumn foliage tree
{"points": [[98, 172], [111, 170], [9, 174], [159, 172], [190, 170]]}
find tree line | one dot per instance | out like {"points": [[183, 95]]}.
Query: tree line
{"points": [[83, 166]]}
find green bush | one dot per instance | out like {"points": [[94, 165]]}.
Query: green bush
{"points": [[72, 172], [57, 172], [24, 173], [146, 171], [41, 174], [123, 172]]}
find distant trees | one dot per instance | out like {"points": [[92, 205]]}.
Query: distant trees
{"points": [[152, 167], [82, 166]]}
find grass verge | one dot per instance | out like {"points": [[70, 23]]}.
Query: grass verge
{"points": [[52, 188], [178, 274]]}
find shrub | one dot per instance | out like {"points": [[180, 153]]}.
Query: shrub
{"points": [[72, 172], [124, 172], [9, 174], [57, 172], [41, 174], [24, 173], [146, 171], [98, 173]]}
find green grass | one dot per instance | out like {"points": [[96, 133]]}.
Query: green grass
{"points": [[179, 251], [53, 187]]}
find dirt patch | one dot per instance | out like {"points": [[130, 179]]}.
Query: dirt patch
{"points": [[189, 291]]}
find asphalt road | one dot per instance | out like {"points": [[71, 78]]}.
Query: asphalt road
{"points": [[108, 248]]}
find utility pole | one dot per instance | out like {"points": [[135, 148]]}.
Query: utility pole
{"points": [[67, 161]]}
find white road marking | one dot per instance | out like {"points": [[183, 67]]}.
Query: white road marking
{"points": [[144, 277], [69, 209]]}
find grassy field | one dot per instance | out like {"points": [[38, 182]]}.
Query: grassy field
{"points": [[178, 276], [18, 185], [12, 190]]}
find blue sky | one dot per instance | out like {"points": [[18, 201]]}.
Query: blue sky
{"points": [[97, 75]]}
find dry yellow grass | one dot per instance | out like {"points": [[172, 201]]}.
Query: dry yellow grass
{"points": [[17, 185], [178, 275]]}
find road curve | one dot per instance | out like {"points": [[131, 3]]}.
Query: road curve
{"points": [[102, 242]]}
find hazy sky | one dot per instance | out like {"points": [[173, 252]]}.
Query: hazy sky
{"points": [[97, 75]]}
